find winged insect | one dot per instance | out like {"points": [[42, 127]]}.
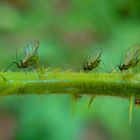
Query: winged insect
{"points": [[131, 58], [93, 59], [30, 58]]}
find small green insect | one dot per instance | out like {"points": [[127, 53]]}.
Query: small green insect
{"points": [[31, 56], [93, 59], [131, 58]]}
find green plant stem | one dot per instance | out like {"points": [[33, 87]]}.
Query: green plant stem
{"points": [[114, 84]]}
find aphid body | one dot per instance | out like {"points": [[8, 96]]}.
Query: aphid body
{"points": [[131, 58], [30, 57], [93, 59]]}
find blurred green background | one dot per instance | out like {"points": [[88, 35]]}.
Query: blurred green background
{"points": [[67, 29]]}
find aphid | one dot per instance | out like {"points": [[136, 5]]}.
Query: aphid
{"points": [[131, 58], [93, 59], [30, 57]]}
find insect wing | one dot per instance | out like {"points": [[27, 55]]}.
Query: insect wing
{"points": [[132, 53], [31, 49], [136, 51], [94, 55]]}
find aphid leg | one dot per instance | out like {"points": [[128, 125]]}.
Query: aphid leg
{"points": [[36, 68], [91, 100], [121, 72], [3, 78], [20, 69], [131, 109], [10, 66], [100, 69], [112, 69], [105, 67]]}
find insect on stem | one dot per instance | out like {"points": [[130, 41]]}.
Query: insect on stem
{"points": [[93, 59], [30, 58], [131, 58]]}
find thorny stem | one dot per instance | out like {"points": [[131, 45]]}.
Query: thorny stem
{"points": [[75, 83]]}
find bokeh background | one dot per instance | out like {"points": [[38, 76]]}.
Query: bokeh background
{"points": [[67, 29]]}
